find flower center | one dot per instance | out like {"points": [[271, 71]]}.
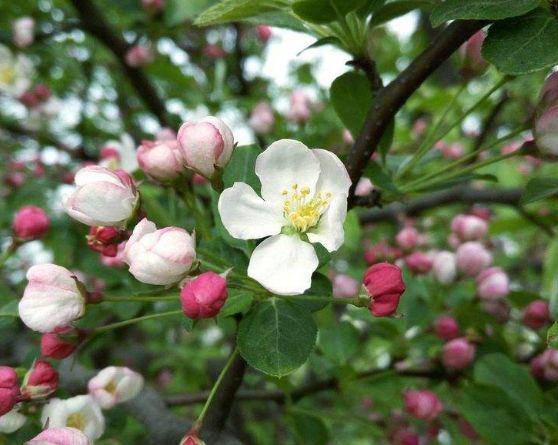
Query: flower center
{"points": [[302, 212], [111, 387], [7, 75], [76, 420]]}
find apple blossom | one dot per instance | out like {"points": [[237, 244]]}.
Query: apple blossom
{"points": [[407, 238], [384, 283], [139, 55], [469, 227], [344, 286], [458, 353], [299, 110], [15, 72], [545, 365], [423, 404], [53, 298], [115, 385], [60, 436], [163, 256], [204, 295], [492, 284], [536, 314], [446, 328], [453, 151], [160, 160], [444, 267], [206, 145], [165, 134], [40, 381], [9, 389], [419, 262], [23, 31], [102, 197], [472, 258], [80, 412], [61, 342], [11, 421], [304, 201], [120, 154], [262, 118], [30, 223]]}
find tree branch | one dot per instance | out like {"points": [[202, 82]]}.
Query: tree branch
{"points": [[391, 98], [96, 24], [460, 194]]}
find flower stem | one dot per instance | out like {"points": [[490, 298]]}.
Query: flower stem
{"points": [[121, 324], [345, 301], [199, 421]]}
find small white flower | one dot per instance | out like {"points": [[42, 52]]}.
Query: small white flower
{"points": [[11, 421], [51, 299], [114, 385], [304, 200], [15, 72], [126, 149], [80, 412]]}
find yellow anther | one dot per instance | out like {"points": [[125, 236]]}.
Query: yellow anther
{"points": [[303, 213]]}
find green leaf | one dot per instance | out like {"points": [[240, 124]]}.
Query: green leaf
{"points": [[232, 10], [276, 337], [325, 11], [539, 188], [237, 302], [178, 11], [552, 336], [550, 277], [321, 287], [523, 44], [322, 42], [353, 231], [480, 10], [494, 415], [241, 167], [396, 9], [351, 96], [498, 370], [339, 343], [310, 429], [9, 309], [380, 177]]}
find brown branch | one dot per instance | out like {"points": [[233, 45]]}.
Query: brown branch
{"points": [[391, 98], [96, 24], [460, 194]]}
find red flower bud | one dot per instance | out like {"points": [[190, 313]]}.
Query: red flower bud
{"points": [[536, 314], [418, 262], [30, 223], [61, 343], [384, 284], [40, 381], [9, 389], [423, 404], [458, 353], [473, 62], [42, 92], [446, 328], [263, 32], [204, 296], [105, 240]]}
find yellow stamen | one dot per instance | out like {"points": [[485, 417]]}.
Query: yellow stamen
{"points": [[76, 420], [301, 212]]}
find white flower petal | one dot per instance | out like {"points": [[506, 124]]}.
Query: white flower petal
{"points": [[334, 177], [245, 215], [283, 264], [283, 164], [329, 232]]}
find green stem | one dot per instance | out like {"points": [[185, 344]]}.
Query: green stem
{"points": [[140, 299], [199, 421], [344, 301], [121, 324]]}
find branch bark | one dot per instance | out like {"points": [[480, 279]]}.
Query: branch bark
{"points": [[460, 194], [391, 98], [95, 23]]}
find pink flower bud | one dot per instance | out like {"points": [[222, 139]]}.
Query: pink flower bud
{"points": [[299, 109], [472, 258], [444, 267], [23, 31], [364, 187], [481, 212], [380, 252], [418, 262], [109, 152], [40, 381], [452, 151], [42, 92], [469, 227], [546, 131], [407, 238], [206, 145], [458, 353], [423, 404], [105, 239], [160, 160], [384, 283], [263, 32], [61, 343], [9, 389], [153, 6], [345, 286], [536, 314], [406, 437], [15, 180], [60, 436], [30, 223], [204, 296], [545, 365], [191, 438], [53, 298], [473, 62], [29, 99], [262, 118], [492, 284], [117, 260], [115, 385], [419, 127], [214, 51], [139, 55], [446, 328]]}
